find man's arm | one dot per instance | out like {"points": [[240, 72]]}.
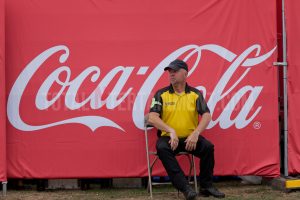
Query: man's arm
{"points": [[205, 119], [156, 121], [191, 141]]}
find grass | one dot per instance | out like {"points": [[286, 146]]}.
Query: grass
{"points": [[234, 190]]}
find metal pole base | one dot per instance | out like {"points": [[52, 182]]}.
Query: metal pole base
{"points": [[4, 188]]}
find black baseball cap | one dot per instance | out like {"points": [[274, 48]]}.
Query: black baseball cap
{"points": [[176, 65]]}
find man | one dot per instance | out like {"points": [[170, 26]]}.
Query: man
{"points": [[174, 112]]}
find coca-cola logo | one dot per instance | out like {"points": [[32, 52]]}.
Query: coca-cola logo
{"points": [[92, 74]]}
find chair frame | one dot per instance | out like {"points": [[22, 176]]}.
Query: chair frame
{"points": [[150, 166]]}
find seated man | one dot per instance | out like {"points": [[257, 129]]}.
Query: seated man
{"points": [[174, 112]]}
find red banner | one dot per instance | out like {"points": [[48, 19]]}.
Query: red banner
{"points": [[81, 75], [293, 48], [2, 97]]}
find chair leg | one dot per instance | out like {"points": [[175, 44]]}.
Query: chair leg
{"points": [[150, 172], [195, 173], [148, 164], [150, 187], [191, 167]]}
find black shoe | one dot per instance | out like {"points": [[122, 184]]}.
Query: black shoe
{"points": [[189, 193], [206, 192]]}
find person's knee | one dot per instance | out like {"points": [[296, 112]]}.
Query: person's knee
{"points": [[162, 148], [210, 147]]}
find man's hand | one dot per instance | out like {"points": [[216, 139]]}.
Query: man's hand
{"points": [[156, 121], [191, 141], [173, 140]]}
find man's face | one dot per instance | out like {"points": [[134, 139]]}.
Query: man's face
{"points": [[178, 76]]}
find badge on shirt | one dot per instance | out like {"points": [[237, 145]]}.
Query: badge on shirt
{"points": [[153, 103]]}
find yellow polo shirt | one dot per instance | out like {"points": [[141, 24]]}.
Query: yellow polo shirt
{"points": [[179, 111]]}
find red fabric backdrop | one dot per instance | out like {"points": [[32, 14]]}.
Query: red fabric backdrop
{"points": [[81, 75], [293, 49], [2, 97]]}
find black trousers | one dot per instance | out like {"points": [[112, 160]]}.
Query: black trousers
{"points": [[204, 150]]}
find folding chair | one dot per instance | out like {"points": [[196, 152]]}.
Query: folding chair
{"points": [[190, 157]]}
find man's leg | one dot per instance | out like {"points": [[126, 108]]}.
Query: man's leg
{"points": [[167, 157], [205, 150]]}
